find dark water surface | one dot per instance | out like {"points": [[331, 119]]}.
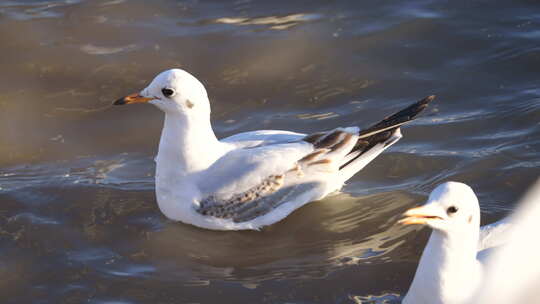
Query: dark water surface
{"points": [[78, 218]]}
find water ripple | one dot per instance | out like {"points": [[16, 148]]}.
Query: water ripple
{"points": [[123, 171]]}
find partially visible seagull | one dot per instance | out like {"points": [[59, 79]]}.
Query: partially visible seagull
{"points": [[450, 269], [252, 179], [512, 273]]}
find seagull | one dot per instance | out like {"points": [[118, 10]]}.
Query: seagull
{"points": [[252, 179], [451, 266]]}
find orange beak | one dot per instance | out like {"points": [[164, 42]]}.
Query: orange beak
{"points": [[419, 215], [133, 98]]}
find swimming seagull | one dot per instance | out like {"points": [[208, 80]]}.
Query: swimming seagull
{"points": [[252, 179], [450, 269]]}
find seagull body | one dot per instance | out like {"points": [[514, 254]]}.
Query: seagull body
{"points": [[450, 268], [251, 179]]}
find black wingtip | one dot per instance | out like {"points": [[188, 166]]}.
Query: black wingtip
{"points": [[399, 118], [383, 130], [417, 107], [410, 112]]}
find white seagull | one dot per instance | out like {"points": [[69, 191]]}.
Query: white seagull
{"points": [[252, 179], [451, 267]]}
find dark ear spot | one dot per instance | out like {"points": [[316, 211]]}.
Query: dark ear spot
{"points": [[470, 219], [189, 104]]}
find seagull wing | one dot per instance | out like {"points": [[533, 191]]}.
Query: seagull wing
{"points": [[262, 137], [249, 182], [269, 168], [494, 234]]}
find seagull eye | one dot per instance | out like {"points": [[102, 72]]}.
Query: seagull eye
{"points": [[451, 210], [167, 92]]}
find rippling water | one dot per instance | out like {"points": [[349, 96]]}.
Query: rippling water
{"points": [[78, 217]]}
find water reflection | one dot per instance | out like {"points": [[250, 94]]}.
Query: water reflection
{"points": [[273, 22]]}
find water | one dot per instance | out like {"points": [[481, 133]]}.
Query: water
{"points": [[78, 218]]}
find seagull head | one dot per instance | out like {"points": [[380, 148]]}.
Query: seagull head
{"points": [[450, 207], [173, 91]]}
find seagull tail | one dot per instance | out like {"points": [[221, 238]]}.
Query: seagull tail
{"points": [[384, 132]]}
